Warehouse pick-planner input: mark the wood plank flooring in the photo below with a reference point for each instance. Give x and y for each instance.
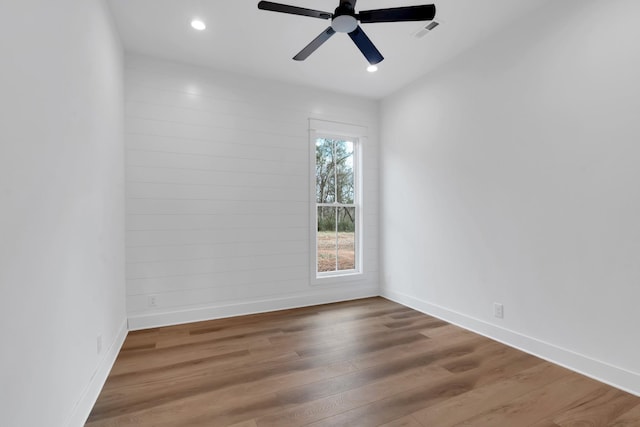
(367, 362)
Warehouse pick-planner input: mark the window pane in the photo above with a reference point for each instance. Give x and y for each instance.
(325, 171)
(327, 245)
(344, 171)
(346, 238)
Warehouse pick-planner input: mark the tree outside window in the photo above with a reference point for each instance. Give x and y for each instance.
(336, 205)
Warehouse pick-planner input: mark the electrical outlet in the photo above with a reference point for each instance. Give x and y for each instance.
(99, 343)
(152, 301)
(498, 310)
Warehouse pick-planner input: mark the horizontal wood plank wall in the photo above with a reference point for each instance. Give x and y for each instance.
(218, 193)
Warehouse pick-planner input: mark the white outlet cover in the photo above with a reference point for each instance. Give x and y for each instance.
(498, 310)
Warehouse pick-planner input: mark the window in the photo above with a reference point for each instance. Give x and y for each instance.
(337, 210)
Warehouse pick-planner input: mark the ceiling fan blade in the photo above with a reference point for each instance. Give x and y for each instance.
(398, 14)
(365, 45)
(293, 10)
(315, 43)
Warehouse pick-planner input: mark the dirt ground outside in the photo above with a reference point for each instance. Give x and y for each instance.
(346, 252)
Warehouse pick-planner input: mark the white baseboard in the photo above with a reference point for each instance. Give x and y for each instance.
(596, 369)
(153, 320)
(90, 394)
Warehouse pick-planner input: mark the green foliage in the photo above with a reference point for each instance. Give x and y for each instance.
(346, 227)
(345, 219)
(329, 224)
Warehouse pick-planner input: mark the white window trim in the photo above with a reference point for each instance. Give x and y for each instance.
(337, 130)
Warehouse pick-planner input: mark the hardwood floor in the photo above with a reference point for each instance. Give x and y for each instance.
(368, 362)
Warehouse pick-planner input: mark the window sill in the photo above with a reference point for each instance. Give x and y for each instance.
(337, 278)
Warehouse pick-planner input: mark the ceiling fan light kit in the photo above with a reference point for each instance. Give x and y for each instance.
(345, 20)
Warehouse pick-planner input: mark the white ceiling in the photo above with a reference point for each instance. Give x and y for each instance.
(240, 38)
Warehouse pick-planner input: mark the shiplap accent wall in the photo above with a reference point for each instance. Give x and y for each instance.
(218, 193)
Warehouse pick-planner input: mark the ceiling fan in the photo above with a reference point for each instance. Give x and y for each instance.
(345, 20)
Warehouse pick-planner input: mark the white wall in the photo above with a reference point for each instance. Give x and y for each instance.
(511, 175)
(218, 193)
(61, 208)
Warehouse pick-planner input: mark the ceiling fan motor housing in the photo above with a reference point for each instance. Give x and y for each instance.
(344, 19)
(344, 23)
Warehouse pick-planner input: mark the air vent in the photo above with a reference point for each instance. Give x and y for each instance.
(426, 29)
(432, 25)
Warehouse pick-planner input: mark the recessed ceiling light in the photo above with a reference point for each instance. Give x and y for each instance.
(198, 25)
(372, 68)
